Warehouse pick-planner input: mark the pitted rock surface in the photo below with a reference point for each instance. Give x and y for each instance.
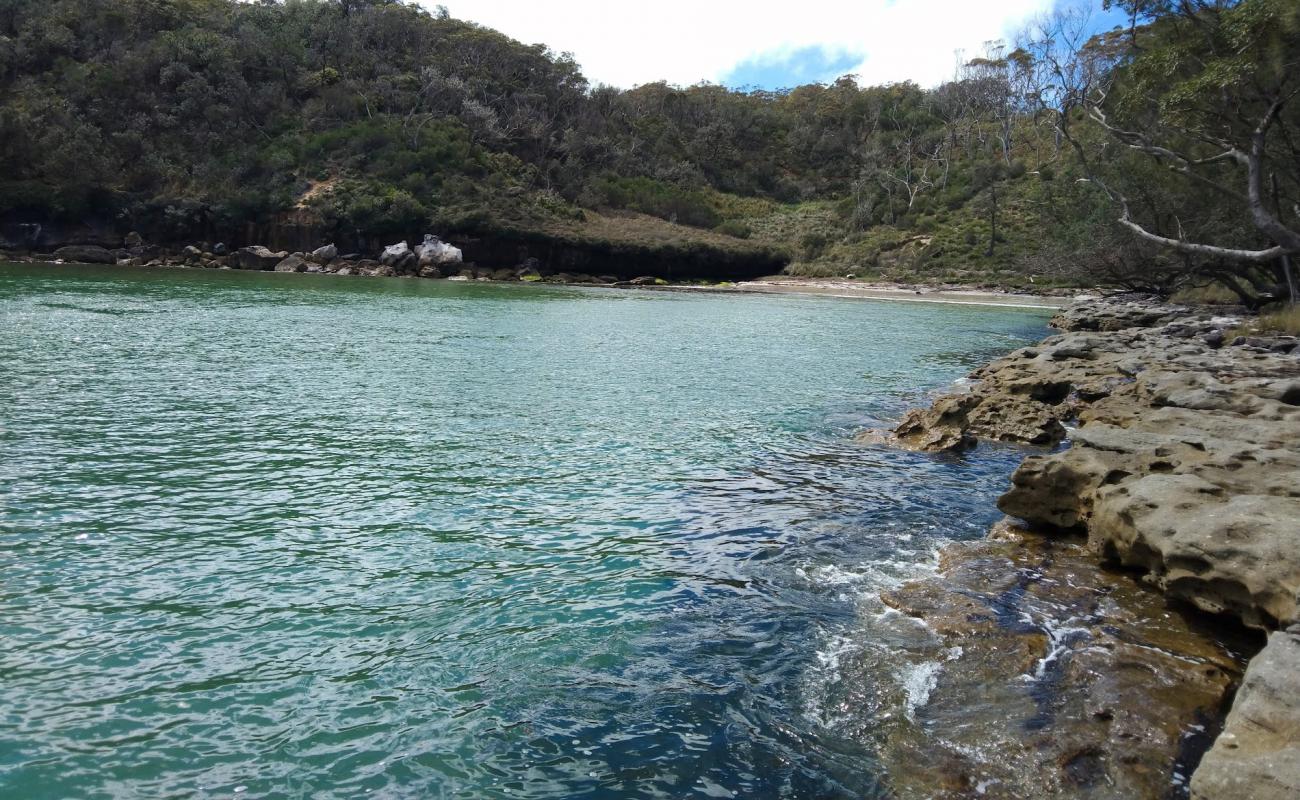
(1183, 467)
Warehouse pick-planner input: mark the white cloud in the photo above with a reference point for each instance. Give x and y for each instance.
(686, 41)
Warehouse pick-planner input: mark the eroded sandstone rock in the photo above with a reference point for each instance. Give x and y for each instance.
(1258, 753)
(1183, 467)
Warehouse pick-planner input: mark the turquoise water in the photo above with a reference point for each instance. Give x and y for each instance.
(297, 536)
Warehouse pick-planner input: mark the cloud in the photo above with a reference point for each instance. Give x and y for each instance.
(688, 41)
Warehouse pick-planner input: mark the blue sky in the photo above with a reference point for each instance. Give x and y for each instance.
(819, 64)
(762, 43)
(795, 67)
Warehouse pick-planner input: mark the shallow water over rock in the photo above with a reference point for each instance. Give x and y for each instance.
(1036, 673)
(287, 535)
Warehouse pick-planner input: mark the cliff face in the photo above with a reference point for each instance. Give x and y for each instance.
(1183, 468)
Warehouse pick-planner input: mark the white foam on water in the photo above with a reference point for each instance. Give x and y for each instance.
(918, 681)
(1059, 642)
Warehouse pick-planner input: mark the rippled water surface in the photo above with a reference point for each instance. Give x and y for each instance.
(297, 536)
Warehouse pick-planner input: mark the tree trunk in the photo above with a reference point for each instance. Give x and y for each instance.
(993, 217)
(1290, 278)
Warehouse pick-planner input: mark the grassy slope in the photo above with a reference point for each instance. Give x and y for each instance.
(950, 246)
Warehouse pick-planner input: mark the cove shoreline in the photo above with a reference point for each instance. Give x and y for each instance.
(947, 294)
(1136, 617)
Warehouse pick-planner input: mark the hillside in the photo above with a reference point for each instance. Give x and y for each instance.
(367, 121)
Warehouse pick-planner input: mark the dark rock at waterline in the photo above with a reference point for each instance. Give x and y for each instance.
(86, 254)
(399, 256)
(257, 257)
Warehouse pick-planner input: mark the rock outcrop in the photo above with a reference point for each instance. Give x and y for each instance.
(258, 258)
(86, 254)
(1183, 468)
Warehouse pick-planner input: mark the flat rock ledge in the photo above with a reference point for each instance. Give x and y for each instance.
(1183, 470)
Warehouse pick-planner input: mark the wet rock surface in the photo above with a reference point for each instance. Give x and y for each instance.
(1043, 675)
(1183, 469)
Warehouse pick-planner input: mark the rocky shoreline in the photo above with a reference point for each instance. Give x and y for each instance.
(436, 259)
(1152, 557)
(431, 259)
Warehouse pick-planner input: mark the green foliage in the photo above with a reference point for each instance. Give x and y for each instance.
(658, 199)
(377, 117)
(734, 227)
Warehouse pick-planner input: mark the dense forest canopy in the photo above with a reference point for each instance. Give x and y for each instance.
(1135, 156)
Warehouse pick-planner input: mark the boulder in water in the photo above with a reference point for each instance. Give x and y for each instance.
(435, 252)
(398, 256)
(294, 263)
(530, 271)
(324, 255)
